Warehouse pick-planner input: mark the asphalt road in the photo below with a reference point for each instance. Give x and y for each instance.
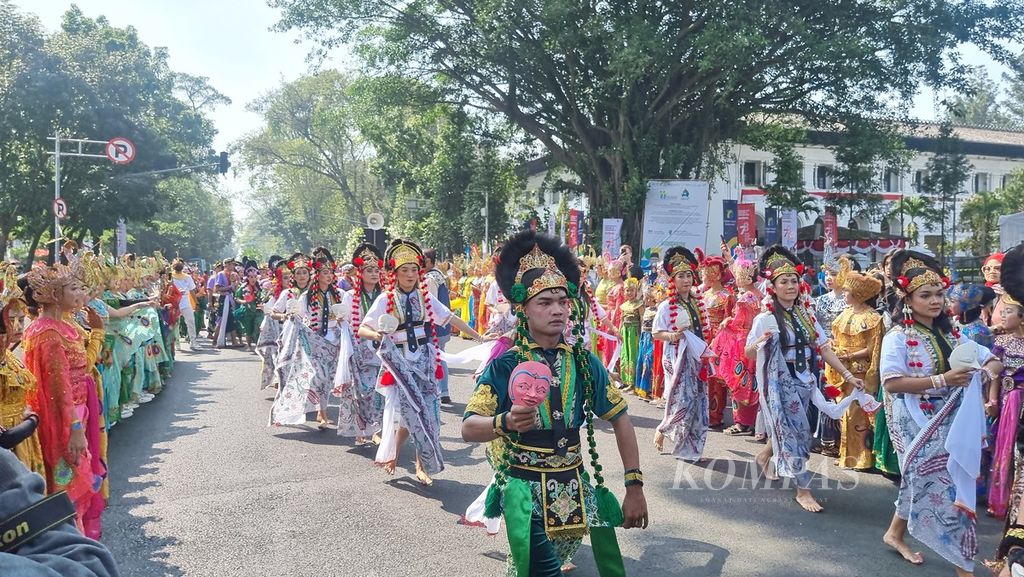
(201, 486)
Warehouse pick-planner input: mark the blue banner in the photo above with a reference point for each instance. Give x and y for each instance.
(771, 226)
(729, 211)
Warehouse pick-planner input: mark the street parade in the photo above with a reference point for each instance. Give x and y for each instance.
(479, 293)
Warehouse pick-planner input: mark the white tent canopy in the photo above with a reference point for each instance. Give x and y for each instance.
(1011, 230)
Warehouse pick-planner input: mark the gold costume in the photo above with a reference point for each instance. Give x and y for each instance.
(853, 332)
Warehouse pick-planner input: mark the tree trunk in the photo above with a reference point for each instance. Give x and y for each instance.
(32, 247)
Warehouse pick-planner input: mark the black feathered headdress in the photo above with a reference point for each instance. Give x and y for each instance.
(532, 262)
(680, 258)
(1012, 275)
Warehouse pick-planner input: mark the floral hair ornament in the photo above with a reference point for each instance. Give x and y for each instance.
(551, 278)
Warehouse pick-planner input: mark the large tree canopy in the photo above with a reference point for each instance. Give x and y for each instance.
(621, 92)
(96, 81)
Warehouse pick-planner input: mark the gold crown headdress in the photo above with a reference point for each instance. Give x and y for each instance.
(300, 261)
(402, 253)
(367, 257)
(552, 276)
(862, 286)
(632, 283)
(1007, 299)
(929, 276)
(47, 282)
(779, 264)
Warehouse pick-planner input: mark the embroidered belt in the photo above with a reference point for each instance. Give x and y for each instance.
(561, 492)
(400, 337)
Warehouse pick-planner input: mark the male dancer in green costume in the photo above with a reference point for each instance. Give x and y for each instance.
(541, 485)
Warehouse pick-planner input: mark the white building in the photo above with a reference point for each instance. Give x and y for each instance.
(994, 155)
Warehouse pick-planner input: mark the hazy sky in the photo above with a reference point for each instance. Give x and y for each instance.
(229, 41)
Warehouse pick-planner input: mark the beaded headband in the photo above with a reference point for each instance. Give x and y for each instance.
(551, 278)
(48, 282)
(404, 253)
(927, 277)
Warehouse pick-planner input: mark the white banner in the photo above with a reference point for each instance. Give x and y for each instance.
(789, 227)
(122, 237)
(611, 236)
(551, 224)
(676, 213)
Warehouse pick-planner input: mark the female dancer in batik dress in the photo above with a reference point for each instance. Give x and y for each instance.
(270, 329)
(937, 420)
(717, 303)
(401, 319)
(66, 398)
(308, 359)
(362, 409)
(789, 344)
(17, 384)
(1006, 394)
(680, 324)
(827, 308)
(728, 345)
(617, 270)
(857, 341)
(629, 315)
(644, 387)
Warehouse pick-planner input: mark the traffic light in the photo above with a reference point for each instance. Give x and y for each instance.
(222, 166)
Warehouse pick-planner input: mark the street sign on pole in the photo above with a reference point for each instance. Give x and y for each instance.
(120, 150)
(60, 208)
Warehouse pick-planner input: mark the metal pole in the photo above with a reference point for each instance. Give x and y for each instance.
(56, 193)
(487, 223)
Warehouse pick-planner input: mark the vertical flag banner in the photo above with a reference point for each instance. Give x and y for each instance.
(572, 235)
(746, 224)
(611, 235)
(729, 224)
(771, 226)
(551, 224)
(122, 237)
(581, 228)
(789, 228)
(675, 213)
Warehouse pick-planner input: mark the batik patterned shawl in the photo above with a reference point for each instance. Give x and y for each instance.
(305, 369)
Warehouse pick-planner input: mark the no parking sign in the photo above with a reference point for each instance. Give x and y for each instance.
(120, 150)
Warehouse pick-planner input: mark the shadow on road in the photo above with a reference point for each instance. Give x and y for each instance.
(134, 456)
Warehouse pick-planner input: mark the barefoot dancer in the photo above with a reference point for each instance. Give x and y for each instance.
(680, 324)
(933, 405)
(789, 343)
(402, 319)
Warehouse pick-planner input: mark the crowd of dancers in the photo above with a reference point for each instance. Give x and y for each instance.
(100, 341)
(891, 369)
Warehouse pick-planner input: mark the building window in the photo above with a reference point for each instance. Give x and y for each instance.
(1004, 180)
(982, 182)
(823, 177)
(753, 173)
(919, 179)
(891, 180)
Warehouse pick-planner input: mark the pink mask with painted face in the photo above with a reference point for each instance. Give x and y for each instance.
(529, 384)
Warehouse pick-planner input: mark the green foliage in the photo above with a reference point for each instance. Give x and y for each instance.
(92, 80)
(947, 171)
(864, 146)
(980, 216)
(912, 211)
(788, 191)
(622, 92)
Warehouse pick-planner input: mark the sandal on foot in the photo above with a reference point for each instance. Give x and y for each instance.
(738, 430)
